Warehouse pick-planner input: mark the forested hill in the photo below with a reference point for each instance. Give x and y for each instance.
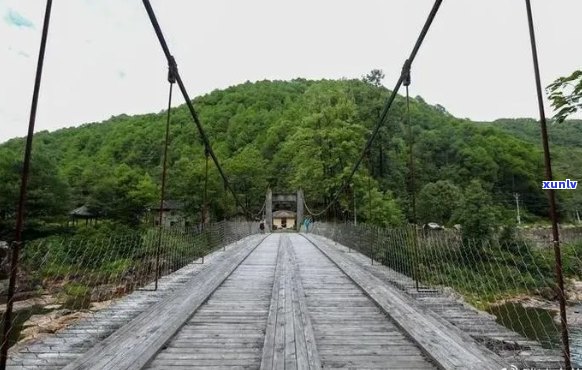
(565, 146)
(567, 134)
(286, 135)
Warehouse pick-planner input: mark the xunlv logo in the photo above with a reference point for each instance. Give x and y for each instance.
(568, 184)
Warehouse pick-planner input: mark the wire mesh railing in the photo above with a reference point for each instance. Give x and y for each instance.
(542, 236)
(510, 278)
(63, 279)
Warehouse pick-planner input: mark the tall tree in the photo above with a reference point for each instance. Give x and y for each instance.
(123, 194)
(47, 193)
(248, 175)
(375, 77)
(438, 202)
(479, 218)
(566, 95)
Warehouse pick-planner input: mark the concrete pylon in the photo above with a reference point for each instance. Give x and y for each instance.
(269, 211)
(299, 209)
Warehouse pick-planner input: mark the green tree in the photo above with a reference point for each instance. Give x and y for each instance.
(375, 77)
(478, 217)
(322, 150)
(294, 134)
(377, 207)
(47, 192)
(566, 95)
(438, 202)
(123, 194)
(247, 171)
(186, 182)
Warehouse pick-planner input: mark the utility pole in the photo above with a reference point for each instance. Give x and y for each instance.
(516, 195)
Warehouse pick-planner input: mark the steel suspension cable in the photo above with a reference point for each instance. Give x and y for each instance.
(203, 136)
(309, 210)
(387, 105)
(171, 80)
(369, 199)
(550, 192)
(260, 213)
(205, 200)
(411, 154)
(21, 210)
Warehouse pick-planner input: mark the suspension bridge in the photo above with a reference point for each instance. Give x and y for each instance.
(285, 300)
(302, 300)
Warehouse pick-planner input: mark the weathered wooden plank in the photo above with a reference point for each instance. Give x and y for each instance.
(278, 359)
(307, 353)
(136, 343)
(169, 364)
(445, 305)
(289, 343)
(350, 333)
(219, 334)
(216, 345)
(190, 367)
(444, 343)
(269, 345)
(290, 333)
(75, 339)
(194, 356)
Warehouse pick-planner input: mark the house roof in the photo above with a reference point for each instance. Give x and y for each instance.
(283, 214)
(82, 212)
(169, 205)
(433, 226)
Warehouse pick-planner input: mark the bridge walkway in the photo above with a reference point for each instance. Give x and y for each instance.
(229, 329)
(350, 329)
(345, 329)
(277, 301)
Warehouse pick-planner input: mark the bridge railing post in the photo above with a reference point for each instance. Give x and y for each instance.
(371, 233)
(415, 253)
(223, 236)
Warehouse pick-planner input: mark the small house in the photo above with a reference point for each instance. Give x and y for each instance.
(284, 219)
(83, 213)
(172, 214)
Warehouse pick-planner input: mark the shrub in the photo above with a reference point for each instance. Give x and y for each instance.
(76, 296)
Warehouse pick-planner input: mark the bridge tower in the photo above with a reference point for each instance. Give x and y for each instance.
(284, 203)
(269, 211)
(299, 209)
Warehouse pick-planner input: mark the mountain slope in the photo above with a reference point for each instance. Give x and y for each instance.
(286, 135)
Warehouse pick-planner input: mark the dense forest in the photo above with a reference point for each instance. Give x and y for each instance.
(566, 149)
(298, 134)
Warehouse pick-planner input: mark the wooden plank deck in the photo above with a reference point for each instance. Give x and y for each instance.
(58, 350)
(136, 343)
(289, 340)
(511, 346)
(229, 329)
(294, 310)
(448, 346)
(350, 330)
(283, 302)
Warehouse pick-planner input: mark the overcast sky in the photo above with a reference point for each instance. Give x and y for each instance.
(103, 58)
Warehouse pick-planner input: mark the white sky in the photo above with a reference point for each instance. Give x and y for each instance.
(103, 58)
